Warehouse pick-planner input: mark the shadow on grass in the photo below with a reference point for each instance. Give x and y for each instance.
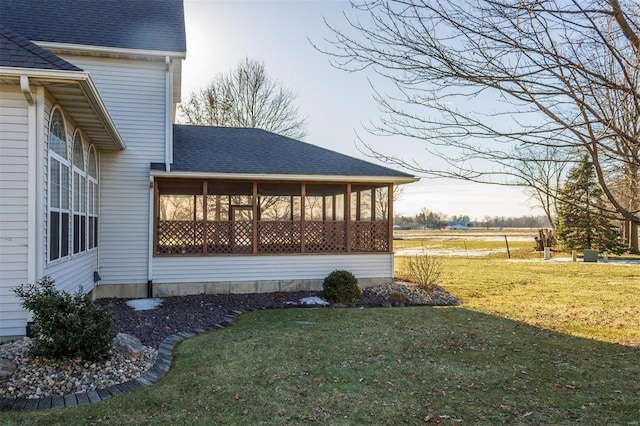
(378, 366)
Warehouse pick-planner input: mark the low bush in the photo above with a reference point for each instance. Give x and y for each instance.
(65, 325)
(423, 270)
(341, 287)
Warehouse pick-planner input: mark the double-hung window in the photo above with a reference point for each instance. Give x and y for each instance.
(79, 196)
(92, 198)
(59, 190)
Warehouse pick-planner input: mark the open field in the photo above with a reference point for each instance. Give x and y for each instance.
(471, 243)
(476, 242)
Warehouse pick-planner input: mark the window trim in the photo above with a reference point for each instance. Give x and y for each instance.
(92, 213)
(79, 197)
(73, 222)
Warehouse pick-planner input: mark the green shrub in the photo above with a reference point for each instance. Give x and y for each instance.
(341, 286)
(65, 325)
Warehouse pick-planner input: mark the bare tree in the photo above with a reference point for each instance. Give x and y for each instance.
(491, 86)
(245, 97)
(543, 176)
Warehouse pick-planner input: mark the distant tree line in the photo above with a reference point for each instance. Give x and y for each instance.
(428, 219)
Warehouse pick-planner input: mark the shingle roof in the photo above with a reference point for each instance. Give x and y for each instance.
(131, 24)
(209, 149)
(17, 51)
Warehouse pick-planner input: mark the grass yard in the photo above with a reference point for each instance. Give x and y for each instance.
(378, 366)
(593, 300)
(534, 343)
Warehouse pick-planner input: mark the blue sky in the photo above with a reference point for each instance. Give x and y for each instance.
(337, 103)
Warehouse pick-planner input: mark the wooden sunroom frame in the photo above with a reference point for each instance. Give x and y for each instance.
(351, 227)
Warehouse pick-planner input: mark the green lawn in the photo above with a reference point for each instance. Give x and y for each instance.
(534, 343)
(378, 366)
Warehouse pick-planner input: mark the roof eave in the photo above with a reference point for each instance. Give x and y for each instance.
(84, 83)
(396, 180)
(115, 52)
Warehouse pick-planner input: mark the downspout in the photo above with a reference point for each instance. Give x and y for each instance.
(168, 99)
(151, 237)
(40, 211)
(168, 159)
(32, 223)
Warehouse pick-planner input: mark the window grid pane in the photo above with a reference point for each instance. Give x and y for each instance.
(57, 137)
(54, 176)
(64, 187)
(78, 153)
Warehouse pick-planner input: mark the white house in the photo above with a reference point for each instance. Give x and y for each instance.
(100, 190)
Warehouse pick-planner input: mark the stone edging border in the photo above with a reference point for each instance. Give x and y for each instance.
(159, 369)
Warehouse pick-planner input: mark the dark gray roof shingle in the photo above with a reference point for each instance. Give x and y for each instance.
(17, 51)
(131, 24)
(209, 149)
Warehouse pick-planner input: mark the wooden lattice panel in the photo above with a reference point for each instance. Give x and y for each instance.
(369, 236)
(279, 237)
(180, 237)
(242, 237)
(325, 237)
(229, 237)
(219, 237)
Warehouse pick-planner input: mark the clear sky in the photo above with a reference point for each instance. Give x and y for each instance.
(338, 104)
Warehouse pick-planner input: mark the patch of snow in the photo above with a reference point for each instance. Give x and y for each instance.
(449, 252)
(313, 301)
(144, 304)
(569, 259)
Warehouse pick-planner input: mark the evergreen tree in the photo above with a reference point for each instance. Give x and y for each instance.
(580, 222)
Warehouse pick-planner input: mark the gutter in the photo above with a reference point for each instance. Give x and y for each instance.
(397, 180)
(121, 52)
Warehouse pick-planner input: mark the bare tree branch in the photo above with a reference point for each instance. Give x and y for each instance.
(246, 97)
(505, 92)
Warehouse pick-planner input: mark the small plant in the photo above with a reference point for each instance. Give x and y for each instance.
(65, 325)
(424, 270)
(341, 287)
(398, 298)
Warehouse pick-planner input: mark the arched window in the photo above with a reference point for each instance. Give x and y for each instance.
(92, 199)
(79, 196)
(59, 189)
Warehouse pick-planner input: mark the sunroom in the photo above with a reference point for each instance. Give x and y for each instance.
(215, 217)
(245, 210)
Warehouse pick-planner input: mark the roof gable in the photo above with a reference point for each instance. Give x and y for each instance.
(17, 51)
(131, 24)
(208, 149)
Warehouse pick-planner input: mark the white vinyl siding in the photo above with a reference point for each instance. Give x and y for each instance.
(134, 93)
(267, 268)
(14, 128)
(76, 274)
